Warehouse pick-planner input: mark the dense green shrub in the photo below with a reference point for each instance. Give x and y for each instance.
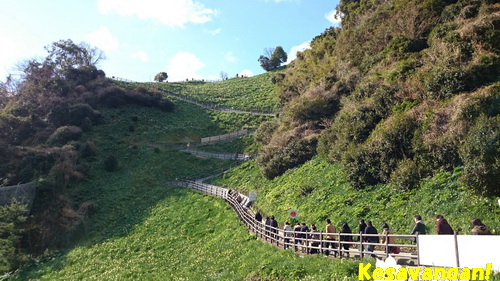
(86, 124)
(359, 165)
(443, 84)
(350, 127)
(112, 96)
(12, 218)
(78, 112)
(376, 160)
(406, 175)
(275, 161)
(265, 131)
(64, 135)
(88, 149)
(480, 153)
(110, 163)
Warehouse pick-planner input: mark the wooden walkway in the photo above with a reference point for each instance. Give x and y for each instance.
(309, 242)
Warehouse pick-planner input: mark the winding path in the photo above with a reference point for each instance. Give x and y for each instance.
(305, 242)
(199, 103)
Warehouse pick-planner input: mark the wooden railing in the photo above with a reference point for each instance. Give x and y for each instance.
(310, 242)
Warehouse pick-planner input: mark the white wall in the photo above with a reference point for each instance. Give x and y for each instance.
(474, 251)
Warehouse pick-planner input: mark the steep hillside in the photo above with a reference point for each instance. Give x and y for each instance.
(320, 190)
(251, 93)
(404, 90)
(138, 227)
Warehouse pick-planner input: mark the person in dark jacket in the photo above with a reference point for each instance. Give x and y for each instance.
(362, 226)
(304, 235)
(479, 228)
(442, 226)
(361, 230)
(419, 227)
(274, 229)
(268, 226)
(346, 238)
(258, 217)
(370, 229)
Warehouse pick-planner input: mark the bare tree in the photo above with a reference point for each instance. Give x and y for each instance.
(223, 75)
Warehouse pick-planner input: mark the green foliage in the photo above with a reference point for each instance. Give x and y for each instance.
(480, 153)
(65, 134)
(405, 176)
(265, 130)
(391, 59)
(255, 92)
(275, 162)
(161, 77)
(443, 84)
(110, 163)
(275, 57)
(329, 195)
(12, 218)
(314, 105)
(193, 236)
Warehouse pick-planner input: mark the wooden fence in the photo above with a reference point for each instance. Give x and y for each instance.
(311, 242)
(226, 137)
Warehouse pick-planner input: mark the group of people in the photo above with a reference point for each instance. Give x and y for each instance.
(300, 233)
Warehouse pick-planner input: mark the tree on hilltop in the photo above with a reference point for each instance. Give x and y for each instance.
(273, 58)
(161, 77)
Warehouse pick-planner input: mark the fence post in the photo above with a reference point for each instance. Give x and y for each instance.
(418, 250)
(339, 249)
(321, 242)
(387, 244)
(361, 244)
(456, 248)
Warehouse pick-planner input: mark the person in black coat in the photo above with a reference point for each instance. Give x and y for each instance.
(362, 226)
(268, 226)
(274, 229)
(370, 229)
(258, 217)
(348, 238)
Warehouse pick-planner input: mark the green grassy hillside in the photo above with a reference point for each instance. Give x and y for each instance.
(255, 92)
(319, 190)
(184, 236)
(137, 227)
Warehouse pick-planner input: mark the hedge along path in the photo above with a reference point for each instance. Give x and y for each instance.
(202, 104)
(308, 242)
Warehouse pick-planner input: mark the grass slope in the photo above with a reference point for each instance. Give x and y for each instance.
(139, 228)
(187, 236)
(255, 92)
(319, 190)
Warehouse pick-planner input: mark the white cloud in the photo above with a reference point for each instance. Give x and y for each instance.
(246, 73)
(173, 13)
(184, 66)
(230, 57)
(103, 39)
(140, 55)
(214, 31)
(331, 17)
(300, 48)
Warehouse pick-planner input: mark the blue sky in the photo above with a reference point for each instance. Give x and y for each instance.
(186, 38)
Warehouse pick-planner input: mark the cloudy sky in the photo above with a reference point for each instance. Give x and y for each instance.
(186, 38)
